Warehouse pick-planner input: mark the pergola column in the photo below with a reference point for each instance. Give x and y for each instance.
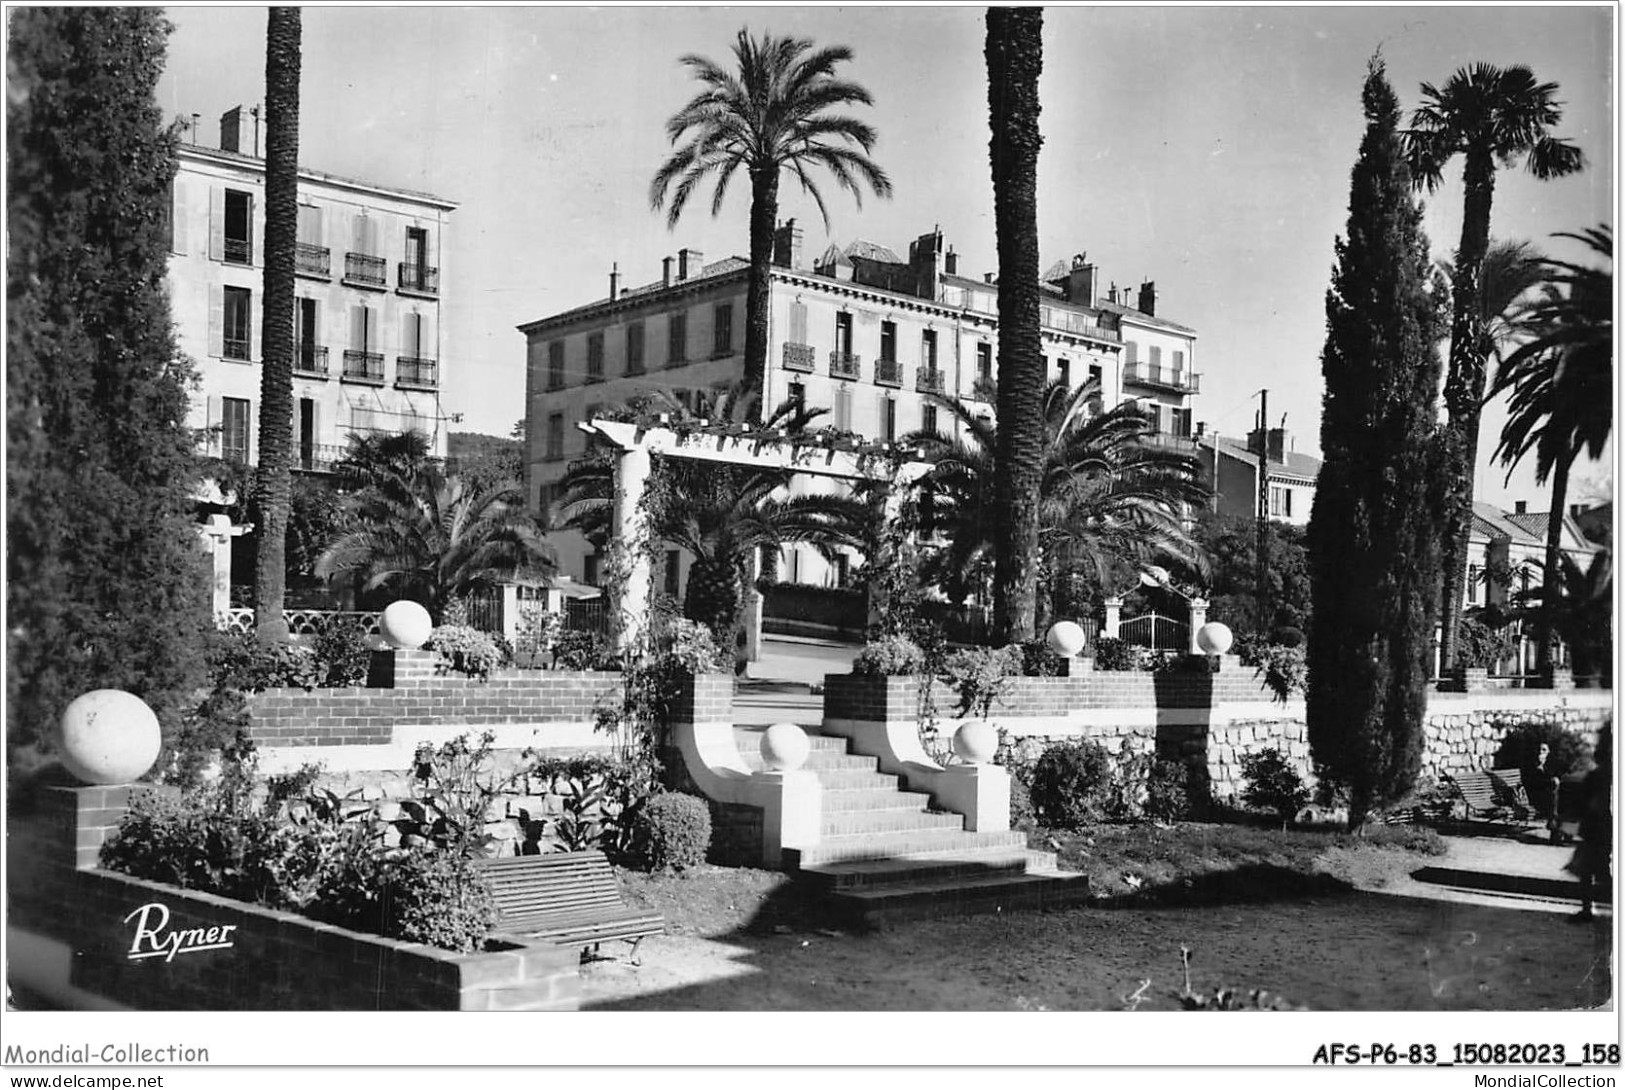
(631, 618)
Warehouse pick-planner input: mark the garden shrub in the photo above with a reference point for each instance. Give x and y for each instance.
(454, 786)
(465, 650)
(1481, 645)
(1070, 782)
(578, 650)
(438, 898)
(1412, 838)
(1022, 815)
(1283, 669)
(1039, 659)
(1520, 748)
(1112, 653)
(599, 799)
(242, 661)
(1287, 636)
(343, 653)
(1167, 798)
(889, 656)
(980, 676)
(1272, 784)
(674, 832)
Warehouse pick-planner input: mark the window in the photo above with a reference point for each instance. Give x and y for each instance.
(888, 419)
(843, 408)
(239, 227)
(843, 570)
(928, 349)
(309, 225)
(555, 365)
(1472, 584)
(1063, 371)
(798, 394)
(307, 355)
(1280, 502)
(677, 339)
(234, 429)
(888, 340)
(555, 437)
(595, 357)
(417, 248)
(843, 334)
(928, 419)
(236, 341)
(307, 433)
(674, 572)
(1131, 352)
(589, 569)
(984, 363)
(723, 330)
(416, 274)
(634, 348)
(1182, 423)
(1096, 375)
(1179, 361)
(1156, 357)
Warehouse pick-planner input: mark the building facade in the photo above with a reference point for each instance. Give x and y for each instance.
(368, 321)
(861, 332)
(1233, 467)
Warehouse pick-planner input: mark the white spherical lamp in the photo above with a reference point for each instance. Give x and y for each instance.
(108, 736)
(1214, 638)
(975, 743)
(405, 625)
(785, 747)
(1065, 638)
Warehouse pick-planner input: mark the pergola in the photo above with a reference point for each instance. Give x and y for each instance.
(636, 442)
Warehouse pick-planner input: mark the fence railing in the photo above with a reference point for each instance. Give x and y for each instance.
(301, 622)
(1156, 632)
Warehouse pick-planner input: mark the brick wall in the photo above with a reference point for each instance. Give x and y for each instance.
(276, 960)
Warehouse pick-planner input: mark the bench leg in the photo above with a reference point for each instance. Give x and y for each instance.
(633, 956)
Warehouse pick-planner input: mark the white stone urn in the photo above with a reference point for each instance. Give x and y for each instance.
(405, 625)
(108, 736)
(785, 747)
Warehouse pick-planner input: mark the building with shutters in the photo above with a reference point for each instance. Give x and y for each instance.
(368, 322)
(860, 331)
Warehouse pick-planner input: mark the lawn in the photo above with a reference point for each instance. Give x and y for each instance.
(1291, 912)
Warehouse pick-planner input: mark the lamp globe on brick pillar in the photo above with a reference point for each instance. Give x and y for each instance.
(1214, 638)
(108, 736)
(785, 747)
(976, 742)
(1065, 638)
(406, 625)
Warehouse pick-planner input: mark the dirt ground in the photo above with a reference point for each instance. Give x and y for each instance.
(1334, 944)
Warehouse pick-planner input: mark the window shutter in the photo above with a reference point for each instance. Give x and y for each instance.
(1131, 352)
(316, 322)
(428, 339)
(362, 235)
(253, 327)
(211, 426)
(177, 219)
(256, 228)
(409, 334)
(358, 328)
(1179, 361)
(217, 322)
(217, 223)
(373, 336)
(798, 323)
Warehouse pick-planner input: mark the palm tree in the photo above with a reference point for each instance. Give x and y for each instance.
(370, 455)
(1489, 116)
(432, 537)
(273, 484)
(1109, 500)
(723, 515)
(1511, 270)
(772, 114)
(1560, 379)
(1015, 56)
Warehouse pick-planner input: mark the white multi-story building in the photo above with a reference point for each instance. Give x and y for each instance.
(862, 333)
(368, 322)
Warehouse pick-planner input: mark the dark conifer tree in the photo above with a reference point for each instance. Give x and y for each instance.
(1374, 534)
(107, 586)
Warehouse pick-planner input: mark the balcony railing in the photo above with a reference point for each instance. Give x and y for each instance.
(312, 260)
(798, 357)
(928, 380)
(421, 278)
(416, 371)
(363, 367)
(235, 348)
(985, 389)
(240, 251)
(1181, 381)
(364, 269)
(1169, 441)
(310, 360)
(888, 373)
(845, 365)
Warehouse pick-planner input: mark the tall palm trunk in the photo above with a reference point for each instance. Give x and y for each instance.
(1014, 59)
(273, 485)
(1551, 579)
(1464, 394)
(764, 211)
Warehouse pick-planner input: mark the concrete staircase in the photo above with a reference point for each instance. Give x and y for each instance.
(883, 856)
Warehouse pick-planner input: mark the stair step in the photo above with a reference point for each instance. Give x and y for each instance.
(750, 741)
(852, 779)
(879, 907)
(869, 799)
(819, 760)
(873, 873)
(832, 849)
(865, 822)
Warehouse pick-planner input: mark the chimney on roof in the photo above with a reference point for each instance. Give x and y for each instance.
(987, 278)
(231, 128)
(665, 272)
(787, 240)
(1520, 507)
(1080, 281)
(1271, 443)
(925, 259)
(614, 281)
(688, 263)
(950, 262)
(1576, 510)
(1148, 298)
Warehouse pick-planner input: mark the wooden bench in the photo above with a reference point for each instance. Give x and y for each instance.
(569, 898)
(1495, 795)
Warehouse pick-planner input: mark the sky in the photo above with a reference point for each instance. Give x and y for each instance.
(1207, 148)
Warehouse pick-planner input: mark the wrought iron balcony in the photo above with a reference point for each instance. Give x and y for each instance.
(1183, 381)
(312, 260)
(420, 278)
(365, 367)
(928, 380)
(798, 357)
(310, 360)
(845, 365)
(416, 371)
(239, 251)
(888, 373)
(235, 348)
(364, 269)
(1169, 441)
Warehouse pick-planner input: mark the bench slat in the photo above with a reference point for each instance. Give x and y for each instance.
(565, 897)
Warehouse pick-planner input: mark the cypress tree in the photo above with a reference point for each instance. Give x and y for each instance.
(1374, 539)
(107, 585)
